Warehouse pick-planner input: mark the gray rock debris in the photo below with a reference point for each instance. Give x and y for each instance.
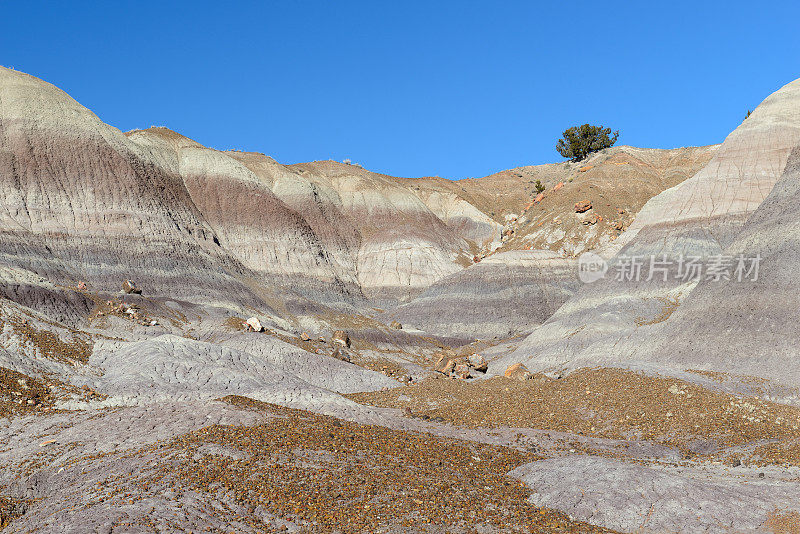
(633, 497)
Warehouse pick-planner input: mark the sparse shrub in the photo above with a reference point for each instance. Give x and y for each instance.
(539, 186)
(580, 141)
(749, 112)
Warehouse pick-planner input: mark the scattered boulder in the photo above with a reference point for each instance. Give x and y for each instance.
(479, 363)
(541, 378)
(81, 286)
(558, 186)
(445, 365)
(396, 325)
(129, 286)
(341, 354)
(458, 366)
(254, 324)
(461, 371)
(518, 372)
(340, 337)
(583, 206)
(304, 336)
(539, 197)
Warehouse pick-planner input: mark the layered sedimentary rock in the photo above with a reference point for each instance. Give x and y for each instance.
(453, 205)
(615, 182)
(660, 321)
(505, 294)
(530, 276)
(80, 201)
(216, 237)
(84, 202)
(745, 324)
(252, 224)
(404, 246)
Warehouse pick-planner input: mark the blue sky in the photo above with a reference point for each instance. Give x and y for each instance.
(454, 89)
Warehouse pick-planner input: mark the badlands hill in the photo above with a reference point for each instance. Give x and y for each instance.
(316, 347)
(240, 230)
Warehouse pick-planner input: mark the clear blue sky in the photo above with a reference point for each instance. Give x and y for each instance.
(409, 88)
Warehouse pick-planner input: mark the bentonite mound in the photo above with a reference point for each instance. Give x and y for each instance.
(620, 321)
(748, 326)
(178, 218)
(533, 272)
(504, 295)
(81, 202)
(194, 339)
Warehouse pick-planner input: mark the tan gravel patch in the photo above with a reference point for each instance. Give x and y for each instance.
(77, 348)
(608, 403)
(10, 509)
(336, 476)
(22, 394)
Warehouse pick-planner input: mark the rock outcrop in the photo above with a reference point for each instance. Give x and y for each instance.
(518, 371)
(619, 181)
(642, 321)
(505, 294)
(116, 404)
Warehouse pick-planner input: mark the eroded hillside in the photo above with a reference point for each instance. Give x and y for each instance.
(194, 339)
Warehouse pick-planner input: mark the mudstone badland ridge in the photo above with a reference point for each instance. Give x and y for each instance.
(194, 339)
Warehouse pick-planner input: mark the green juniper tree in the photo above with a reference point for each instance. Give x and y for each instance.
(580, 141)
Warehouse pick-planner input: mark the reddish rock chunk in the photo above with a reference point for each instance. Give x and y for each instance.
(462, 371)
(341, 337)
(518, 372)
(583, 206)
(128, 286)
(445, 365)
(479, 363)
